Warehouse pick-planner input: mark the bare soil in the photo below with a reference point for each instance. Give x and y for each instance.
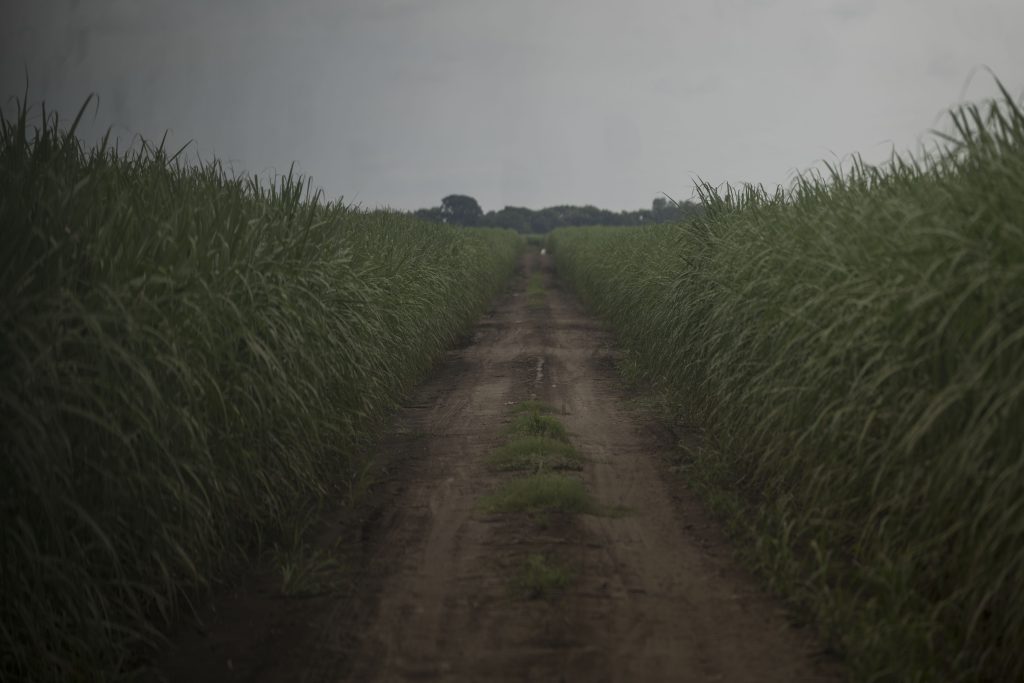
(427, 595)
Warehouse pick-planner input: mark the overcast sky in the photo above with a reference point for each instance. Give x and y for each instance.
(520, 102)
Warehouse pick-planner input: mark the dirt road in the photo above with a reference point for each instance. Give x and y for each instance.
(655, 595)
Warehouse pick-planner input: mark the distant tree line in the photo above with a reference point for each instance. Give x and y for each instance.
(460, 209)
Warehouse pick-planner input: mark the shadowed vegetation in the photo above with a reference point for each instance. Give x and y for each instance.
(187, 356)
(855, 348)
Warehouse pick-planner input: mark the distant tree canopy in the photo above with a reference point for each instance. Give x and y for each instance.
(460, 209)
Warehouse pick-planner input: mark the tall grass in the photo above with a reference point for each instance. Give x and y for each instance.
(855, 348)
(186, 357)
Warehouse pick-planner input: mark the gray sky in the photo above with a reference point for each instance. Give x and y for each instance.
(524, 102)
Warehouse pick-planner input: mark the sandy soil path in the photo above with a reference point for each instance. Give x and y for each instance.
(656, 596)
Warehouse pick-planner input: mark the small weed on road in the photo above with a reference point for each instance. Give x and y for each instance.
(541, 578)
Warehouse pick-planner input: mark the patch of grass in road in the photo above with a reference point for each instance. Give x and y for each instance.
(542, 493)
(535, 454)
(534, 424)
(532, 406)
(535, 291)
(541, 578)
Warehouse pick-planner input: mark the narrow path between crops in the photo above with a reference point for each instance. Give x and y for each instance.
(655, 595)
